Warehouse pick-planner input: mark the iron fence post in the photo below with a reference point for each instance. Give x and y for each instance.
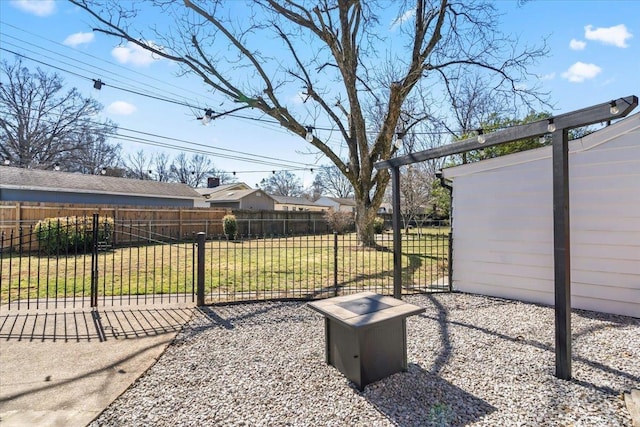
(335, 263)
(200, 240)
(397, 236)
(450, 262)
(94, 262)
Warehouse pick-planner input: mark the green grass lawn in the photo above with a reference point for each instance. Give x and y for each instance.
(288, 266)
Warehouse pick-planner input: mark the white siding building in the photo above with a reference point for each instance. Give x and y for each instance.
(503, 223)
(337, 204)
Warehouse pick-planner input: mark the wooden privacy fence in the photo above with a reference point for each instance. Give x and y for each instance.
(280, 222)
(177, 222)
(134, 223)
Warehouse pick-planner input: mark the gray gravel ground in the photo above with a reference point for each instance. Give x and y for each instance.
(473, 360)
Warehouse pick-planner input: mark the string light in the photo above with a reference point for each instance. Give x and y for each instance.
(551, 127)
(309, 136)
(206, 119)
(614, 108)
(398, 142)
(481, 138)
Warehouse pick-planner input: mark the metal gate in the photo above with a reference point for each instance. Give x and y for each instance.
(93, 261)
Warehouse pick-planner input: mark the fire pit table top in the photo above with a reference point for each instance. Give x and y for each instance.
(364, 309)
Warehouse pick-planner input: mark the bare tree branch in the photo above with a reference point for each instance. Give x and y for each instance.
(340, 51)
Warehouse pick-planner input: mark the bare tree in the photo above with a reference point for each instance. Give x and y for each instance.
(192, 171)
(472, 101)
(334, 182)
(162, 167)
(41, 126)
(138, 166)
(334, 50)
(282, 183)
(315, 190)
(415, 194)
(93, 155)
(225, 177)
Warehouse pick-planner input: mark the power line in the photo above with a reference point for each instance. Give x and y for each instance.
(205, 149)
(162, 98)
(95, 58)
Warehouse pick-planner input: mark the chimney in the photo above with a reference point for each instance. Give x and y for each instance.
(213, 182)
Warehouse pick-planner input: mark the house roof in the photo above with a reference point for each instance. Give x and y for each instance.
(595, 139)
(339, 200)
(43, 180)
(234, 195)
(288, 200)
(224, 187)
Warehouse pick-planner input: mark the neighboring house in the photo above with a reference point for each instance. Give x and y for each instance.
(287, 203)
(213, 187)
(251, 199)
(503, 223)
(337, 204)
(35, 185)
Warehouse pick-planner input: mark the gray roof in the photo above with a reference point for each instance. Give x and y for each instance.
(341, 201)
(224, 187)
(292, 200)
(43, 180)
(234, 195)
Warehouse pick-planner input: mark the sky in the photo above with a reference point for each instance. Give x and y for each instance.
(594, 57)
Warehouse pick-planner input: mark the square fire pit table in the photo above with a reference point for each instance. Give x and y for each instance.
(366, 335)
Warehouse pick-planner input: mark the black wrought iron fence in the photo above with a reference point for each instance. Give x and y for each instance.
(90, 261)
(134, 263)
(263, 267)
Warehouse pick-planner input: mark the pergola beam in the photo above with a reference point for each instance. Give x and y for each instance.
(587, 116)
(561, 228)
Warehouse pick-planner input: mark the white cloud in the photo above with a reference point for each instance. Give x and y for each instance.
(121, 108)
(616, 35)
(549, 76)
(580, 72)
(577, 44)
(77, 39)
(36, 7)
(131, 53)
(401, 19)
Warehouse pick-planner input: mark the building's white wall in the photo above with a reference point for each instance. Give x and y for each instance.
(503, 228)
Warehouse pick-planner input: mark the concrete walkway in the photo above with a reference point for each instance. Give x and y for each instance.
(64, 367)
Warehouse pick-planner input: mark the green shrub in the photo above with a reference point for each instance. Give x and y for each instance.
(71, 234)
(378, 225)
(230, 226)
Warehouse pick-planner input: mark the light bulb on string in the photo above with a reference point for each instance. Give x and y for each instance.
(613, 109)
(398, 142)
(481, 138)
(309, 136)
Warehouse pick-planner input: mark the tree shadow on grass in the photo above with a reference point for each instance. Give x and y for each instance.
(407, 274)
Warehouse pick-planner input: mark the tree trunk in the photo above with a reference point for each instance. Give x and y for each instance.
(365, 214)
